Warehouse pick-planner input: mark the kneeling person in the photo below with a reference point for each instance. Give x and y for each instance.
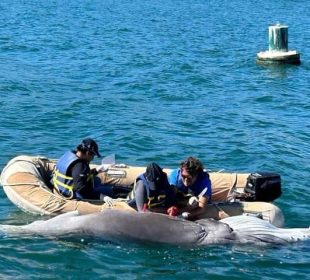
(192, 180)
(152, 191)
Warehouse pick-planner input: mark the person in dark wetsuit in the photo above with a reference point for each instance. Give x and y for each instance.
(73, 177)
(152, 191)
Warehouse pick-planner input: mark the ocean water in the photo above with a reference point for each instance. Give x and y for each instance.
(156, 81)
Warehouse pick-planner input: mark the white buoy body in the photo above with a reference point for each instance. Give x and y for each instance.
(278, 47)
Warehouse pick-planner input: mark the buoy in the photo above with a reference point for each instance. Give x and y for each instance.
(278, 47)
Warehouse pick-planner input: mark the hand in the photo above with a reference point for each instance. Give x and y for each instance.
(223, 215)
(193, 202)
(102, 167)
(108, 200)
(173, 211)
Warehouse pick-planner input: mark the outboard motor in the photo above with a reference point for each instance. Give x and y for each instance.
(263, 186)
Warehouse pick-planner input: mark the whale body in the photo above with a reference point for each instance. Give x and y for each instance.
(118, 225)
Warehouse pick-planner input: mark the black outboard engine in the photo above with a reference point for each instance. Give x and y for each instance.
(263, 186)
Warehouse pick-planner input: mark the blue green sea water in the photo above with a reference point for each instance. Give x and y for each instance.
(156, 81)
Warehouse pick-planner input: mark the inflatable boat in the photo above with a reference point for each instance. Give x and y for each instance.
(26, 181)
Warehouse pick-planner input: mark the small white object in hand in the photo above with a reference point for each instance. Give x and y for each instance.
(185, 215)
(103, 167)
(108, 200)
(193, 201)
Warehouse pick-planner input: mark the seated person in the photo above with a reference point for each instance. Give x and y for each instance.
(191, 180)
(152, 191)
(73, 177)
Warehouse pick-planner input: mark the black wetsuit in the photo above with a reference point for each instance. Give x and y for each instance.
(80, 174)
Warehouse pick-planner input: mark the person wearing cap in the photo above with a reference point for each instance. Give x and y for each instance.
(190, 179)
(73, 177)
(152, 191)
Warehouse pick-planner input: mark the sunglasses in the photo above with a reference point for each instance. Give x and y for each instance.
(188, 177)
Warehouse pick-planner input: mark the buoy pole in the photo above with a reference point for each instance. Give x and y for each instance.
(278, 38)
(278, 47)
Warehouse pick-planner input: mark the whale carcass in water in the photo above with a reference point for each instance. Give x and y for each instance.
(117, 225)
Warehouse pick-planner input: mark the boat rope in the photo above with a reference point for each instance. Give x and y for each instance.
(230, 195)
(22, 184)
(221, 170)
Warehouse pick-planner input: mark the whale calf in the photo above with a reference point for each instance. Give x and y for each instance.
(118, 225)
